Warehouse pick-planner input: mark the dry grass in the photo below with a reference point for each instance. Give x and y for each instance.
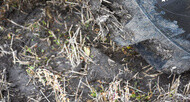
(4, 87)
(117, 93)
(48, 78)
(76, 51)
(172, 93)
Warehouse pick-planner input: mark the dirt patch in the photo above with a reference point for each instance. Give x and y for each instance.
(62, 51)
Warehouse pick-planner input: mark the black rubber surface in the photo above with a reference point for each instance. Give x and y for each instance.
(161, 32)
(171, 51)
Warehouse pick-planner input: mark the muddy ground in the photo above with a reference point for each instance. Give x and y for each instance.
(62, 51)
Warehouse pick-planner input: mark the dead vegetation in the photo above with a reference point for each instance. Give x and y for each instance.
(68, 31)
